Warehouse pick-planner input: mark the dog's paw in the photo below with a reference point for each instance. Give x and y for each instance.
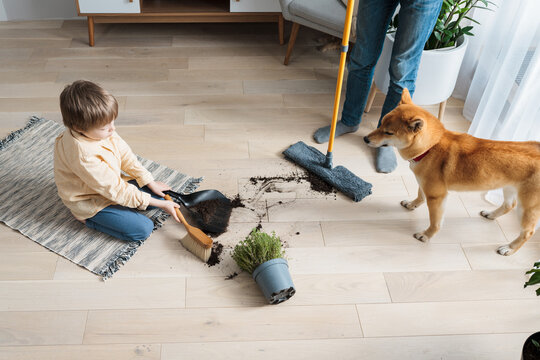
(487, 215)
(408, 205)
(422, 237)
(505, 250)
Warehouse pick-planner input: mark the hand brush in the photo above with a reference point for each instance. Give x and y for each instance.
(197, 242)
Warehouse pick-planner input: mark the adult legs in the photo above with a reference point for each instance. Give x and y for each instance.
(416, 21)
(372, 22)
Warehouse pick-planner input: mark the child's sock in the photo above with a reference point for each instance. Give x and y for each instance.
(385, 161)
(323, 134)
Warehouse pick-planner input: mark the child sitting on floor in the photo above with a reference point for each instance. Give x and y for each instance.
(89, 157)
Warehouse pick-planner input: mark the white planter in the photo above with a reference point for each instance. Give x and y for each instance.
(437, 73)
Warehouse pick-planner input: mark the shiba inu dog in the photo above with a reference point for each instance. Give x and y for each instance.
(444, 160)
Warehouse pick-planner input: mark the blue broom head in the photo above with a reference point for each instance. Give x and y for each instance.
(339, 177)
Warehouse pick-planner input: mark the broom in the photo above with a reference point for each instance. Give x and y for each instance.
(312, 159)
(197, 242)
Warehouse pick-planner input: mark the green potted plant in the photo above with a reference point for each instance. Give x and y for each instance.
(261, 255)
(535, 277)
(442, 56)
(531, 348)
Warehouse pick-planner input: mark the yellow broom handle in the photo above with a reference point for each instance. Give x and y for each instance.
(343, 58)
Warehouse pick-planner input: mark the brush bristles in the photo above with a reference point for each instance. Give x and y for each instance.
(196, 248)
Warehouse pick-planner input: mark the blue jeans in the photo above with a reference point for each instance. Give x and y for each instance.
(416, 21)
(122, 222)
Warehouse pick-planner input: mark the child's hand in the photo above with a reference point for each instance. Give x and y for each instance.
(158, 187)
(166, 205)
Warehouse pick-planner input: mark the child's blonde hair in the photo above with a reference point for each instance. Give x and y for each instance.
(85, 105)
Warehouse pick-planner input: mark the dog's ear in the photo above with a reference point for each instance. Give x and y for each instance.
(405, 97)
(416, 125)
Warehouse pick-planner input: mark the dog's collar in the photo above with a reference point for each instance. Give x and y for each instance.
(420, 157)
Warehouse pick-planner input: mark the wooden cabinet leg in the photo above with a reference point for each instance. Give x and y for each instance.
(91, 30)
(371, 97)
(292, 39)
(280, 29)
(442, 108)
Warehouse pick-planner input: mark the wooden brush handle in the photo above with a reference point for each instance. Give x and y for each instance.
(178, 213)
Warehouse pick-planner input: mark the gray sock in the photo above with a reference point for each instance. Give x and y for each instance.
(386, 160)
(322, 135)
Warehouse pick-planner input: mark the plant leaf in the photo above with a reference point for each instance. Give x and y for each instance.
(471, 19)
(533, 280)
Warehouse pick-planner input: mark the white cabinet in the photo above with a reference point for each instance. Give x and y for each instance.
(109, 6)
(255, 6)
(179, 11)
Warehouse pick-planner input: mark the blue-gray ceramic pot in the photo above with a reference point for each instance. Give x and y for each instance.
(274, 280)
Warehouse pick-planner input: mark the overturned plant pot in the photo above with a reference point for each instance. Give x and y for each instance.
(262, 255)
(274, 280)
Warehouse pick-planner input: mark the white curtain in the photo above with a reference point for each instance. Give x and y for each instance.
(500, 76)
(503, 100)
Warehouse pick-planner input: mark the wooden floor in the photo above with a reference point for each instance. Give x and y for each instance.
(214, 100)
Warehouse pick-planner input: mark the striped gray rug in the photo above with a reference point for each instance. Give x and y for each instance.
(30, 204)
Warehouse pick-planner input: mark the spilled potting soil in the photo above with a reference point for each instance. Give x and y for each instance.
(315, 183)
(215, 214)
(231, 276)
(207, 210)
(236, 202)
(215, 258)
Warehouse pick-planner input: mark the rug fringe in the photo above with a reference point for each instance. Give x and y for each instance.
(119, 260)
(193, 185)
(34, 120)
(159, 220)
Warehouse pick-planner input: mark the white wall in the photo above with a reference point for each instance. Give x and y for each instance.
(37, 9)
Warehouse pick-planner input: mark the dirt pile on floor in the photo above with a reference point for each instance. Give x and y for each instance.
(315, 183)
(215, 256)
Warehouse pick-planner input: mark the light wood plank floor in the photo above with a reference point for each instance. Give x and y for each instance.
(214, 100)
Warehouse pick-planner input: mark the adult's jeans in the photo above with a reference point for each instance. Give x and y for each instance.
(416, 21)
(122, 222)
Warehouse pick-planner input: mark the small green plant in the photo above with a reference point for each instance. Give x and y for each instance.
(257, 248)
(448, 26)
(535, 277)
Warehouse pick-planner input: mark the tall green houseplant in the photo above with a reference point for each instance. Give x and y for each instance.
(449, 23)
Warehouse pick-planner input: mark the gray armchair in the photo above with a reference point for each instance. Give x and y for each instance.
(327, 16)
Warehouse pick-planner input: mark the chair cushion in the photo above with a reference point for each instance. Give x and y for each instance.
(328, 13)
